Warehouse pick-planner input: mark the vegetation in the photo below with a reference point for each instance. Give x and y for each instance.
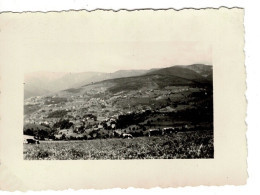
(63, 124)
(131, 119)
(196, 144)
(29, 109)
(73, 90)
(39, 131)
(57, 114)
(100, 113)
(90, 116)
(54, 100)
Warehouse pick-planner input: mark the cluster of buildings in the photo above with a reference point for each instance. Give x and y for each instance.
(98, 109)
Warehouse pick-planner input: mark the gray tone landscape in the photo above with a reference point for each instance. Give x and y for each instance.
(162, 113)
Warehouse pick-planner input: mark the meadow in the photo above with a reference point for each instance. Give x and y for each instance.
(183, 145)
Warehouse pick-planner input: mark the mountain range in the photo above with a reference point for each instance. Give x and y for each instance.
(44, 83)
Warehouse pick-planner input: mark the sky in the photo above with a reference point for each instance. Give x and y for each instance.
(113, 56)
(104, 41)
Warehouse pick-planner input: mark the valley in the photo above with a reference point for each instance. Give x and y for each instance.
(178, 96)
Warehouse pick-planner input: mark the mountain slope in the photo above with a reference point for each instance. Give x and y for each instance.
(155, 79)
(184, 72)
(42, 83)
(203, 70)
(31, 91)
(150, 81)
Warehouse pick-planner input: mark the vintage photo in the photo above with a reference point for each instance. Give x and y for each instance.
(162, 110)
(118, 99)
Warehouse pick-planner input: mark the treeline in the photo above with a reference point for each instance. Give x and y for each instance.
(124, 121)
(57, 114)
(135, 123)
(39, 131)
(63, 124)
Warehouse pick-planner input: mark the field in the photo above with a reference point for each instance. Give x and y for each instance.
(183, 145)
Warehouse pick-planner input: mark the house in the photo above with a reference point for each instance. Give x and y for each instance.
(58, 137)
(64, 131)
(28, 139)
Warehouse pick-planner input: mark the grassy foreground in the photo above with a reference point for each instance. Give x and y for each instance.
(181, 145)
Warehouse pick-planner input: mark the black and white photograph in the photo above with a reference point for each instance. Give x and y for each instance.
(139, 100)
(108, 99)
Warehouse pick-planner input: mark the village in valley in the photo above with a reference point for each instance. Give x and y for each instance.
(174, 106)
(97, 110)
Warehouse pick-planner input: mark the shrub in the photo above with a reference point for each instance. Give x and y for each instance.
(63, 124)
(57, 114)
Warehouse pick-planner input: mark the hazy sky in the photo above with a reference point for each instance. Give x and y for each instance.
(104, 41)
(109, 57)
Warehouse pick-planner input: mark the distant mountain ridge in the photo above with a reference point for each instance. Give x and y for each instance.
(184, 72)
(42, 84)
(158, 79)
(204, 70)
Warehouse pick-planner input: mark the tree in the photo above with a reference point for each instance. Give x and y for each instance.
(63, 124)
(81, 129)
(63, 137)
(149, 123)
(28, 132)
(41, 134)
